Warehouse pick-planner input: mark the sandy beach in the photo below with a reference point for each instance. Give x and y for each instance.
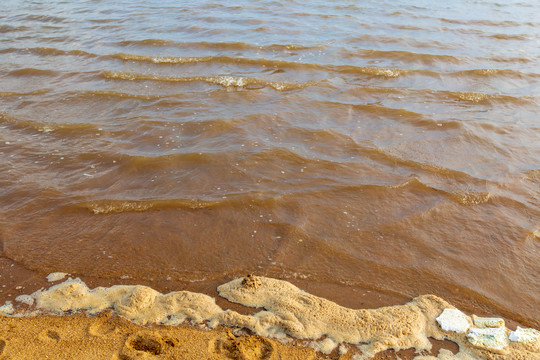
(107, 336)
(111, 337)
(278, 321)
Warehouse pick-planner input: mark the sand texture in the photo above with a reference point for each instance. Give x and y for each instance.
(111, 337)
(137, 322)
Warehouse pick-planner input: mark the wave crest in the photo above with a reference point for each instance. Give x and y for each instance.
(222, 80)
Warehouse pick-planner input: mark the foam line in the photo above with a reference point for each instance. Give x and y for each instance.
(291, 312)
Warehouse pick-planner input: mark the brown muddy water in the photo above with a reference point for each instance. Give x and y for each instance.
(368, 152)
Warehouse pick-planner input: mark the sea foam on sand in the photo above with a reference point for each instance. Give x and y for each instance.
(289, 311)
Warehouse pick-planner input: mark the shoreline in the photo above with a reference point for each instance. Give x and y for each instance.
(137, 320)
(16, 279)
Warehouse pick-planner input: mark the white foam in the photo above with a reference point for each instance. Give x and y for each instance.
(25, 299)
(55, 276)
(326, 346)
(487, 322)
(7, 308)
(137, 303)
(230, 81)
(493, 338)
(524, 335)
(454, 320)
(299, 314)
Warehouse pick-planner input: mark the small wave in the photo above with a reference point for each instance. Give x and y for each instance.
(203, 59)
(485, 22)
(405, 26)
(184, 45)
(471, 198)
(470, 96)
(45, 51)
(384, 155)
(164, 59)
(506, 60)
(506, 73)
(509, 36)
(373, 71)
(52, 51)
(467, 197)
(222, 80)
(463, 197)
(45, 18)
(33, 72)
(114, 206)
(205, 45)
(408, 56)
(106, 21)
(289, 47)
(121, 206)
(108, 93)
(7, 28)
(45, 127)
(476, 97)
(481, 72)
(36, 92)
(148, 161)
(377, 110)
(146, 42)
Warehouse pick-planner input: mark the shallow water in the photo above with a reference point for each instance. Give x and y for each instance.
(389, 148)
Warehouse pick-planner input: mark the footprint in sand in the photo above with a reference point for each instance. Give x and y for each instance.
(245, 347)
(140, 345)
(49, 336)
(102, 327)
(2, 346)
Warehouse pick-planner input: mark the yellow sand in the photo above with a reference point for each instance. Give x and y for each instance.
(114, 338)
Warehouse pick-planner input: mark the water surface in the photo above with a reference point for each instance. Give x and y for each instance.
(367, 151)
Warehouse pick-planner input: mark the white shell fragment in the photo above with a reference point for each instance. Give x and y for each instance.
(524, 335)
(454, 320)
(493, 338)
(487, 322)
